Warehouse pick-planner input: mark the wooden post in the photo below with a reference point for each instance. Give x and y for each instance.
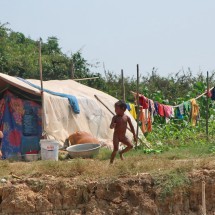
(123, 86)
(207, 108)
(138, 104)
(41, 83)
(203, 199)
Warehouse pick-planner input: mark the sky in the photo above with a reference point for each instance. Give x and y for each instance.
(170, 35)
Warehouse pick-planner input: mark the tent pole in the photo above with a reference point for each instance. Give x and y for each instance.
(207, 108)
(41, 83)
(123, 86)
(138, 104)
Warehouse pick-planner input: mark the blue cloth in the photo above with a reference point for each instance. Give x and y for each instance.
(72, 99)
(30, 143)
(11, 118)
(178, 113)
(156, 108)
(128, 106)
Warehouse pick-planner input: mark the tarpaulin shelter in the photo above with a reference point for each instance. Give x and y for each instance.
(60, 120)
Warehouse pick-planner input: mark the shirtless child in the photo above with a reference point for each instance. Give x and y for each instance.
(119, 123)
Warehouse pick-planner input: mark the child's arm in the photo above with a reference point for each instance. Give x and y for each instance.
(113, 123)
(132, 129)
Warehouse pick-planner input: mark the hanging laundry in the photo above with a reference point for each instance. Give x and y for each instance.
(128, 106)
(187, 106)
(146, 113)
(181, 109)
(167, 111)
(178, 114)
(161, 110)
(213, 94)
(149, 124)
(156, 104)
(173, 112)
(151, 106)
(143, 102)
(151, 110)
(133, 111)
(194, 112)
(143, 120)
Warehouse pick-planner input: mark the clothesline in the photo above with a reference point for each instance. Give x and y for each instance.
(196, 97)
(175, 106)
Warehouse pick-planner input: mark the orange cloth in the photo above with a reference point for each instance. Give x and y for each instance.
(149, 123)
(143, 120)
(194, 111)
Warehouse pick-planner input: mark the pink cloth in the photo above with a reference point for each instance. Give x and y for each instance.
(167, 111)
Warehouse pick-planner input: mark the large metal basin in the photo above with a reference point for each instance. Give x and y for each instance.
(87, 150)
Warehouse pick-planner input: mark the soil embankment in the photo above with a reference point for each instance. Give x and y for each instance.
(133, 195)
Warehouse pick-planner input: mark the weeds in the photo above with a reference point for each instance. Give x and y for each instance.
(169, 182)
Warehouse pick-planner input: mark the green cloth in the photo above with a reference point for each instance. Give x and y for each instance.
(187, 106)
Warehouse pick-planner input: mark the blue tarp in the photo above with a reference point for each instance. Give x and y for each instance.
(72, 99)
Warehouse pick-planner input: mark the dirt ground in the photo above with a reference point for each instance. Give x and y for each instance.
(169, 183)
(141, 193)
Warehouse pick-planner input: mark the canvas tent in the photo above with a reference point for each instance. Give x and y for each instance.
(60, 120)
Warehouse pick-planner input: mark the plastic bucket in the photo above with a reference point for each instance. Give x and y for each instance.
(49, 149)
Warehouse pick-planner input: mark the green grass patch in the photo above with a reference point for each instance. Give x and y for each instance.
(170, 181)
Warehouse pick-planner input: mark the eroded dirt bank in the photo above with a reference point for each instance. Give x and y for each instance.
(132, 195)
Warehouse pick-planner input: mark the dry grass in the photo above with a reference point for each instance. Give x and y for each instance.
(99, 168)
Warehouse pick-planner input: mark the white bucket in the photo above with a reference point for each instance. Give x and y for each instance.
(49, 149)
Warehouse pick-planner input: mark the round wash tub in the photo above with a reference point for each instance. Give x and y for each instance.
(87, 150)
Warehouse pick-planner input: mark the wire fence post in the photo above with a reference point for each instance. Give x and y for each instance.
(207, 108)
(41, 84)
(203, 199)
(138, 104)
(123, 86)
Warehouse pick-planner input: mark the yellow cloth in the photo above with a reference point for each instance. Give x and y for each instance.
(194, 111)
(133, 111)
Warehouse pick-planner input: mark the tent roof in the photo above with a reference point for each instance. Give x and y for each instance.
(61, 86)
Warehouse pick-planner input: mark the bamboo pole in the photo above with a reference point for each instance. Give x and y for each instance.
(207, 108)
(123, 86)
(203, 199)
(138, 104)
(41, 83)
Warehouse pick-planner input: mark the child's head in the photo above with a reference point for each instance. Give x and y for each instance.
(120, 107)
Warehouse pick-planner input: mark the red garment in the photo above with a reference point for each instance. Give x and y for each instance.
(161, 110)
(144, 102)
